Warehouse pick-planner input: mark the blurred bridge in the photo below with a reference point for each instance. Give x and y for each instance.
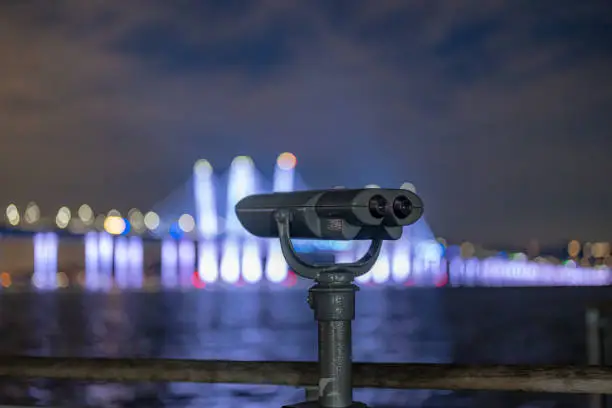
(185, 242)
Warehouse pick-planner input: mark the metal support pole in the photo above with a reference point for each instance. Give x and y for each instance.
(598, 347)
(332, 299)
(594, 350)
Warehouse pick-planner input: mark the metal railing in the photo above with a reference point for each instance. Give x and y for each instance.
(554, 379)
(594, 379)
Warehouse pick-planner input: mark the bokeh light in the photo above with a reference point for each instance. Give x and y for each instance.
(136, 219)
(408, 186)
(12, 215)
(32, 213)
(62, 280)
(573, 248)
(99, 222)
(151, 220)
(86, 214)
(5, 279)
(114, 225)
(62, 219)
(186, 223)
(203, 168)
(286, 161)
(242, 160)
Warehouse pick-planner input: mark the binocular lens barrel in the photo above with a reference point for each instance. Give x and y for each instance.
(377, 206)
(402, 207)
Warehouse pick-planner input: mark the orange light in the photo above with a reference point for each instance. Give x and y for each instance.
(114, 225)
(286, 161)
(5, 279)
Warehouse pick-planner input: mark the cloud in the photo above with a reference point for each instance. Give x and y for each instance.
(491, 108)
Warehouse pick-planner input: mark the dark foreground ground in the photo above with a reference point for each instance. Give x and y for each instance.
(468, 325)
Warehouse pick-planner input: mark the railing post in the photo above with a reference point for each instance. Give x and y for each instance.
(599, 350)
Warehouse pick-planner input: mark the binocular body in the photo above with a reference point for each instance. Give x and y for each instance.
(338, 214)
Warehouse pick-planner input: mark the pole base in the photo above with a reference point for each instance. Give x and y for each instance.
(315, 404)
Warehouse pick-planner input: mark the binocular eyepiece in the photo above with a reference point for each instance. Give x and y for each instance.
(338, 214)
(401, 207)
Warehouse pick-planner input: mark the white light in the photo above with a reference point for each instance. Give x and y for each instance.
(230, 261)
(202, 168)
(32, 213)
(409, 187)
(276, 267)
(12, 214)
(401, 269)
(114, 225)
(381, 269)
(63, 217)
(136, 219)
(372, 186)
(205, 199)
(151, 220)
(86, 214)
(208, 267)
(251, 261)
(186, 223)
(241, 184)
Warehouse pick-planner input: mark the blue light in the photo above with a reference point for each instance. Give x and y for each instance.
(175, 231)
(307, 246)
(442, 250)
(128, 227)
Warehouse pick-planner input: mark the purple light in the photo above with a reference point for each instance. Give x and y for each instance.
(121, 262)
(92, 269)
(497, 272)
(45, 260)
(39, 278)
(105, 260)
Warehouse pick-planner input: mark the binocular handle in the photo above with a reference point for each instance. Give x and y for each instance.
(316, 271)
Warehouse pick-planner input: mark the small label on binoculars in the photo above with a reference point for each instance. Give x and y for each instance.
(334, 225)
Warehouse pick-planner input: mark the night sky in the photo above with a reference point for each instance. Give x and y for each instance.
(500, 112)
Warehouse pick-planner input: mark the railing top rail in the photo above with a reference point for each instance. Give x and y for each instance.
(555, 379)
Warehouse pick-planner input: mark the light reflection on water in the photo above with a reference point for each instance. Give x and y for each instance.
(417, 325)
